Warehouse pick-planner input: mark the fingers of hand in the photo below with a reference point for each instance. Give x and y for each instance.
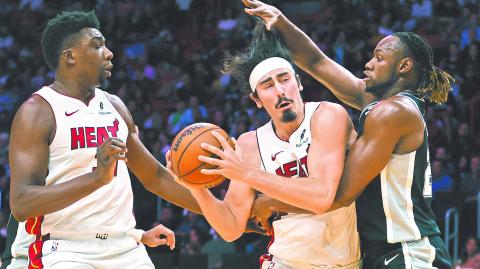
(266, 226)
(114, 141)
(117, 152)
(160, 242)
(209, 160)
(170, 236)
(211, 171)
(250, 3)
(223, 142)
(113, 147)
(171, 240)
(236, 147)
(187, 185)
(268, 25)
(220, 153)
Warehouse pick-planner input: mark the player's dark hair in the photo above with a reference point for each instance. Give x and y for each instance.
(432, 83)
(61, 32)
(265, 44)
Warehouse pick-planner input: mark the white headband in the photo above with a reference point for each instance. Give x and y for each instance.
(266, 66)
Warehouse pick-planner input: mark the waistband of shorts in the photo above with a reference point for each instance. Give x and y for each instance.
(85, 236)
(378, 248)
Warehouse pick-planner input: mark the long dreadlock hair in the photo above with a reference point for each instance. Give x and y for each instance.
(433, 83)
(265, 44)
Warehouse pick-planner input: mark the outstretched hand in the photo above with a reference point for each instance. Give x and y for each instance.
(269, 14)
(230, 162)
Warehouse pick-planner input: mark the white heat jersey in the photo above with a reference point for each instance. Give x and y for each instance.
(80, 128)
(329, 239)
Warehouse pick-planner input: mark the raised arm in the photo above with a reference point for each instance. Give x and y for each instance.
(153, 175)
(33, 128)
(348, 88)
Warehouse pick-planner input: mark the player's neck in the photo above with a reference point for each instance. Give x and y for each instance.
(284, 130)
(73, 89)
(402, 85)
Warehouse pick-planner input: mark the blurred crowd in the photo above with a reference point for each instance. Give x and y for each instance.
(167, 69)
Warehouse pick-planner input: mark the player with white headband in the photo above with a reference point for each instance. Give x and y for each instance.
(296, 158)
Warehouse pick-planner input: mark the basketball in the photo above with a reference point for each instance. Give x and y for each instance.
(186, 149)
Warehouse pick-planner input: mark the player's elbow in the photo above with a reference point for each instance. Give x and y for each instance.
(321, 205)
(230, 237)
(18, 211)
(323, 201)
(344, 201)
(21, 206)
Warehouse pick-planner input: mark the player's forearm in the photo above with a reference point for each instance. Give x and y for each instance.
(308, 195)
(279, 206)
(304, 51)
(219, 215)
(32, 201)
(165, 187)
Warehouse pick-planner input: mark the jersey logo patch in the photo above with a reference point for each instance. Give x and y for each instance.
(71, 113)
(54, 246)
(302, 140)
(391, 259)
(274, 156)
(101, 236)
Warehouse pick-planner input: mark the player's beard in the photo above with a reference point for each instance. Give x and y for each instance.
(381, 88)
(103, 82)
(289, 116)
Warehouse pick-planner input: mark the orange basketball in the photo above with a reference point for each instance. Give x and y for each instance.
(186, 149)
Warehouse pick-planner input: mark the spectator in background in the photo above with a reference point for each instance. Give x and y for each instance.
(195, 112)
(177, 119)
(461, 142)
(421, 9)
(470, 258)
(470, 182)
(441, 180)
(193, 244)
(215, 248)
(469, 188)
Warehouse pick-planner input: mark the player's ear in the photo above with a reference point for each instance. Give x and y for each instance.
(255, 98)
(300, 86)
(68, 56)
(406, 64)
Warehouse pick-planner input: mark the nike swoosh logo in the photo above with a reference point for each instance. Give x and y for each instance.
(274, 156)
(388, 261)
(70, 114)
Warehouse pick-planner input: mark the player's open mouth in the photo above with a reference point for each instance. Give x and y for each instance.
(283, 105)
